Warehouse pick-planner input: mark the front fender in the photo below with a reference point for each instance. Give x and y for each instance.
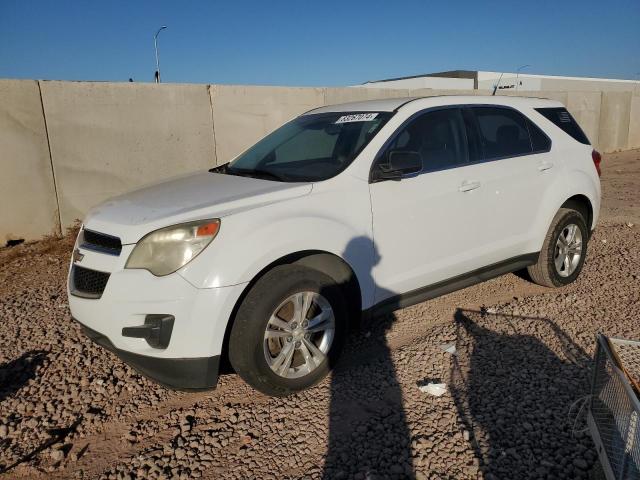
(250, 241)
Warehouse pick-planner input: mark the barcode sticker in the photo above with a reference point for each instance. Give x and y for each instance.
(357, 117)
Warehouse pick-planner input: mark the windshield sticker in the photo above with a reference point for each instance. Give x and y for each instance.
(357, 117)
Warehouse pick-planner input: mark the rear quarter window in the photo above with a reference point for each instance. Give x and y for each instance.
(539, 140)
(561, 118)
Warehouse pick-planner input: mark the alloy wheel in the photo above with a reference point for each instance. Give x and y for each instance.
(299, 334)
(568, 250)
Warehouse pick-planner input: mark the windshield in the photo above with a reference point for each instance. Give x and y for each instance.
(310, 148)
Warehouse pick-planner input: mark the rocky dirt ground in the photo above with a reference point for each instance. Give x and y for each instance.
(69, 409)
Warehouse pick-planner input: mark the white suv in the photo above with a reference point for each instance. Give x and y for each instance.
(346, 211)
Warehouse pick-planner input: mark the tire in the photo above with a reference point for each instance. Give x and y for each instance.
(270, 306)
(555, 251)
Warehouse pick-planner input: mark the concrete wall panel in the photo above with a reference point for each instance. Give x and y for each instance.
(614, 121)
(357, 94)
(567, 84)
(244, 114)
(634, 122)
(430, 92)
(585, 108)
(28, 206)
(557, 96)
(108, 138)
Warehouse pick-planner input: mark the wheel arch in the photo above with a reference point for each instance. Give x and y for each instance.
(322, 261)
(582, 204)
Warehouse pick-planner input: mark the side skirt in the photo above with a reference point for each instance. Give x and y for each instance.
(450, 285)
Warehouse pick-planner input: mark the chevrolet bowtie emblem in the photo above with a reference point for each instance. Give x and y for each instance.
(77, 256)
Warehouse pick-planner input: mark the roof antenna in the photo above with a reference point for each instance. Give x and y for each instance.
(495, 87)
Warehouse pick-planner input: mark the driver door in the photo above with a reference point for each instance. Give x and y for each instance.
(424, 224)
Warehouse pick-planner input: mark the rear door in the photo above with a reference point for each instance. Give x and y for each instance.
(516, 172)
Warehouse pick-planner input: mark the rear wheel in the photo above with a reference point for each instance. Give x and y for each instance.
(288, 331)
(563, 252)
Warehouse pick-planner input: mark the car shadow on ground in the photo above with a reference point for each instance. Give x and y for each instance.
(514, 392)
(16, 373)
(368, 433)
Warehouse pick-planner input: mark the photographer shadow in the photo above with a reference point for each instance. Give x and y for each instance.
(368, 433)
(514, 395)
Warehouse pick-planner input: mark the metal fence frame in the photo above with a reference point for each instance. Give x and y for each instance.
(614, 415)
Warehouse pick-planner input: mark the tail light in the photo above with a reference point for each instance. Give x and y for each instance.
(597, 158)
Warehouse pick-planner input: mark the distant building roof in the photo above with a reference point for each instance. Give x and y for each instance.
(450, 74)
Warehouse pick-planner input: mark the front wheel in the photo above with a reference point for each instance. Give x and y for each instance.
(563, 251)
(288, 331)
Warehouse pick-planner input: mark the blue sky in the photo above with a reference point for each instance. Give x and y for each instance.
(315, 42)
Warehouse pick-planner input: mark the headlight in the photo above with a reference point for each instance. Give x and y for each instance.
(166, 250)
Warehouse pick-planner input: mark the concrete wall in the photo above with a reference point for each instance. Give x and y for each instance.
(28, 206)
(66, 146)
(107, 138)
(634, 122)
(585, 108)
(244, 114)
(615, 110)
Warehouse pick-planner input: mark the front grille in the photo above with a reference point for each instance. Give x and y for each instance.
(88, 283)
(101, 242)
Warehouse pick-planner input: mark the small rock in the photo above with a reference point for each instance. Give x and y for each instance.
(580, 463)
(57, 455)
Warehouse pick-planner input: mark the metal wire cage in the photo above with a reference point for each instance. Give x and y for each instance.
(614, 409)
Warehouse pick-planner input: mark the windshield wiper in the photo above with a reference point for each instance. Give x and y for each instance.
(220, 168)
(245, 172)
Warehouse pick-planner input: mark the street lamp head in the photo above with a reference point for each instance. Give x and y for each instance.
(159, 30)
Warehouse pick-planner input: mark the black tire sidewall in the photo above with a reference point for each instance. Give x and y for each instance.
(570, 217)
(247, 335)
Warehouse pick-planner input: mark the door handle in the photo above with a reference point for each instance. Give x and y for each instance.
(468, 186)
(544, 166)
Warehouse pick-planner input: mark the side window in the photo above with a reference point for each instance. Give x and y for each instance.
(503, 132)
(539, 141)
(438, 136)
(563, 120)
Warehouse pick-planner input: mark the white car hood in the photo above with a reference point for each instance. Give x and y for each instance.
(192, 197)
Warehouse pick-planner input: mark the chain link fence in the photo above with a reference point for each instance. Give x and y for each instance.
(614, 407)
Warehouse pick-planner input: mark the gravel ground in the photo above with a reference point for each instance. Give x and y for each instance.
(70, 409)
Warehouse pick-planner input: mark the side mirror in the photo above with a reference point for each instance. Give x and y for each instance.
(400, 162)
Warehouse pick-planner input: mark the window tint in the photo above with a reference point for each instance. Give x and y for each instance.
(473, 136)
(310, 148)
(503, 132)
(308, 144)
(439, 138)
(563, 119)
(539, 141)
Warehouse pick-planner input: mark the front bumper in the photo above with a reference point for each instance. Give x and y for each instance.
(189, 359)
(175, 373)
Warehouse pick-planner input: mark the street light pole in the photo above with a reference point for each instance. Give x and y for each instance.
(518, 75)
(155, 46)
